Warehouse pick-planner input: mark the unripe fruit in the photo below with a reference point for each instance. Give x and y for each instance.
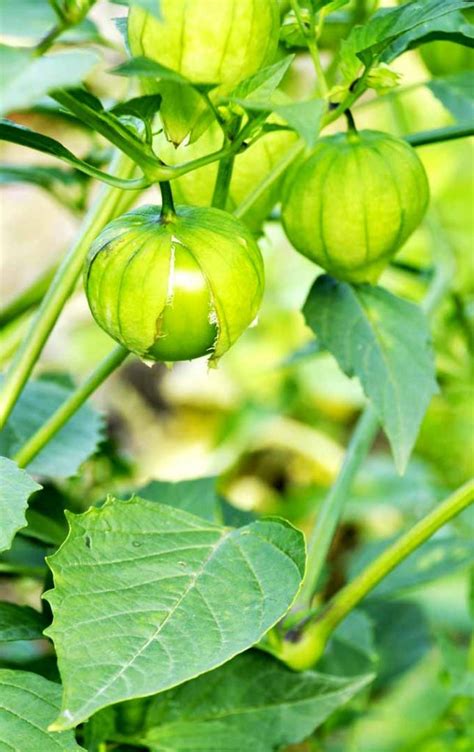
(207, 41)
(354, 201)
(250, 167)
(178, 288)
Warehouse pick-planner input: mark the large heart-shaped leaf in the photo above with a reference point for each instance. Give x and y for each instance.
(252, 703)
(16, 487)
(385, 341)
(28, 704)
(147, 596)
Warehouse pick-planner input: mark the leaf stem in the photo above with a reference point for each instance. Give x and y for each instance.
(310, 36)
(347, 598)
(104, 209)
(439, 135)
(35, 444)
(332, 506)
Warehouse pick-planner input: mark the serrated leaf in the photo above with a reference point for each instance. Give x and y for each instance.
(197, 496)
(456, 93)
(26, 78)
(28, 704)
(70, 447)
(252, 703)
(172, 596)
(365, 43)
(20, 623)
(16, 487)
(385, 342)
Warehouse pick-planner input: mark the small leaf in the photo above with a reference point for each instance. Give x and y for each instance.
(70, 447)
(16, 487)
(197, 496)
(143, 67)
(28, 704)
(262, 85)
(20, 623)
(26, 78)
(456, 93)
(252, 703)
(141, 107)
(385, 342)
(303, 117)
(171, 596)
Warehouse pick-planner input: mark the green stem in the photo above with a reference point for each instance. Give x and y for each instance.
(167, 204)
(35, 444)
(439, 135)
(49, 39)
(348, 598)
(28, 299)
(222, 186)
(62, 286)
(332, 506)
(310, 36)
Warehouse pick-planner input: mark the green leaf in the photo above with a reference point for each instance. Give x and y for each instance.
(16, 487)
(357, 631)
(452, 28)
(252, 703)
(26, 78)
(387, 346)
(262, 84)
(303, 117)
(143, 108)
(197, 496)
(431, 561)
(366, 43)
(70, 447)
(20, 623)
(143, 67)
(171, 597)
(456, 93)
(66, 186)
(28, 704)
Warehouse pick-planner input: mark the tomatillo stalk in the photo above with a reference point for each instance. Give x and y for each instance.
(104, 209)
(35, 444)
(347, 599)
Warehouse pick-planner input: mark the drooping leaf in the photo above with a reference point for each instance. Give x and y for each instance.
(68, 449)
(16, 487)
(252, 703)
(172, 596)
(26, 78)
(367, 43)
(28, 704)
(20, 623)
(456, 93)
(197, 496)
(387, 346)
(433, 560)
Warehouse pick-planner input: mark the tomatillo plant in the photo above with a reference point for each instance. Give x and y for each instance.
(193, 549)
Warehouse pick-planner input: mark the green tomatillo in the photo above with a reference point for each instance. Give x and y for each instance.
(352, 203)
(175, 288)
(219, 42)
(250, 167)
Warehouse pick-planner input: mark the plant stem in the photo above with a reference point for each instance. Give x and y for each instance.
(221, 188)
(167, 203)
(439, 135)
(332, 506)
(35, 444)
(347, 598)
(63, 284)
(310, 36)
